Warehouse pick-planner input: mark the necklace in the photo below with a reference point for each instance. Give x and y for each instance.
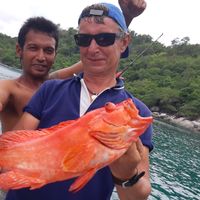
(92, 93)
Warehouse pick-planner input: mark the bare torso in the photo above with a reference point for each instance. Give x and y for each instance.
(14, 96)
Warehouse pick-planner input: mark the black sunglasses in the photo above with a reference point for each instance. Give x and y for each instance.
(102, 39)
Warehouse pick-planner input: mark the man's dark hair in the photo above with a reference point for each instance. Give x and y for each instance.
(38, 24)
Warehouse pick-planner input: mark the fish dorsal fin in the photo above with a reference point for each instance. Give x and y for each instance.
(11, 138)
(60, 125)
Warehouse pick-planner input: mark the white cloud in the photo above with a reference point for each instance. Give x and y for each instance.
(173, 18)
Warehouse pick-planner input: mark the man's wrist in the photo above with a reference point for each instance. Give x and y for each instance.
(128, 18)
(128, 182)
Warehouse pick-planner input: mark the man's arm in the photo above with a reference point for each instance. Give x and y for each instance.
(136, 159)
(1, 106)
(4, 93)
(27, 122)
(132, 9)
(67, 72)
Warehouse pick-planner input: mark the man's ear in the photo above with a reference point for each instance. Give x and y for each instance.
(125, 42)
(18, 50)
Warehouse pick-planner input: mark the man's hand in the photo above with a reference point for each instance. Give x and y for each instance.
(131, 9)
(126, 166)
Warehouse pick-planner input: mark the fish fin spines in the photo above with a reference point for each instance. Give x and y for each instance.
(81, 181)
(8, 139)
(63, 124)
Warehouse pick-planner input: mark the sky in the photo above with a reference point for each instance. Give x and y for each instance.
(173, 18)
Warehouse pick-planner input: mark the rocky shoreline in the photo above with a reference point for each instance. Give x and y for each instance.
(2, 195)
(181, 122)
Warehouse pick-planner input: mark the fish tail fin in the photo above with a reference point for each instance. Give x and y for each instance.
(81, 181)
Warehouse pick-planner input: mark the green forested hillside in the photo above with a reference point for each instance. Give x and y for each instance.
(167, 79)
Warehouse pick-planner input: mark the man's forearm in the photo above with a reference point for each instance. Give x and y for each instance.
(139, 191)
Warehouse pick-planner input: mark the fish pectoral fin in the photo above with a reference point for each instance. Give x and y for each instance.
(16, 180)
(113, 140)
(78, 158)
(81, 181)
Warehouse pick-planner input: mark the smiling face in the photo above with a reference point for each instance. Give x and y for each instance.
(38, 54)
(101, 59)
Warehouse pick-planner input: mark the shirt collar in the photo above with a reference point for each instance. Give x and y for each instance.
(119, 85)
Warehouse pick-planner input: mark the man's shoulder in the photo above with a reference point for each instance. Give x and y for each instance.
(8, 84)
(56, 86)
(8, 81)
(57, 82)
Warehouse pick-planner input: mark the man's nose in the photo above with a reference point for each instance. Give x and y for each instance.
(41, 55)
(93, 45)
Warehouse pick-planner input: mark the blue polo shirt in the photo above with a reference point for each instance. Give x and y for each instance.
(57, 101)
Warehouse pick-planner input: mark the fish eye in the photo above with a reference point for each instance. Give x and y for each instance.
(109, 106)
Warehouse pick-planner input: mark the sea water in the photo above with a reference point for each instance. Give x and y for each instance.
(174, 162)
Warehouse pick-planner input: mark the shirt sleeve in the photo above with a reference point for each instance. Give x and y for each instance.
(35, 105)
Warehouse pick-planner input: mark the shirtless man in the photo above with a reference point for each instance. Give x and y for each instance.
(36, 49)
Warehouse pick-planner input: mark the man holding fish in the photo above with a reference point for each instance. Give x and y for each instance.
(137, 147)
(103, 38)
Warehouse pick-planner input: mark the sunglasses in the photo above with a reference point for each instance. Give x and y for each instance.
(102, 39)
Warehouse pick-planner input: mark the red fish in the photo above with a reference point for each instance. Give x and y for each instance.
(34, 158)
